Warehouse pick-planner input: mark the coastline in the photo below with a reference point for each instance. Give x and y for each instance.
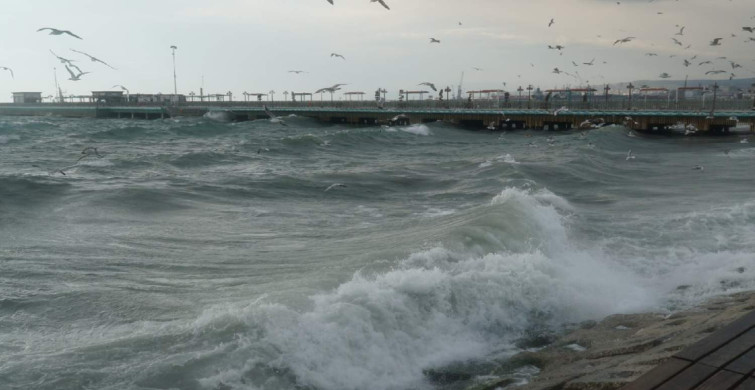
(613, 352)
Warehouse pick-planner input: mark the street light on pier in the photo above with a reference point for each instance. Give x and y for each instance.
(715, 92)
(175, 85)
(529, 96)
(272, 95)
(520, 89)
(606, 88)
(230, 96)
(630, 87)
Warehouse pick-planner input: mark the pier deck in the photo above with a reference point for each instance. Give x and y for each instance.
(644, 120)
(725, 360)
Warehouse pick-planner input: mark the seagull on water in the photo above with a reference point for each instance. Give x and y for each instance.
(94, 59)
(381, 3)
(698, 168)
(55, 31)
(431, 85)
(433, 40)
(89, 151)
(338, 55)
(9, 70)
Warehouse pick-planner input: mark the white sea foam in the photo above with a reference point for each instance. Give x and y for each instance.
(416, 129)
(439, 306)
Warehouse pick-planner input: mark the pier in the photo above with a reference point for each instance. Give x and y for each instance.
(720, 121)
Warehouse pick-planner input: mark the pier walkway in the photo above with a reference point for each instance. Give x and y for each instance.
(725, 360)
(643, 120)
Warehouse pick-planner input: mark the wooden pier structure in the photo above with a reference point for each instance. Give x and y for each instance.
(495, 119)
(725, 360)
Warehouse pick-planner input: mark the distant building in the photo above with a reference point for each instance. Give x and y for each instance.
(27, 97)
(108, 97)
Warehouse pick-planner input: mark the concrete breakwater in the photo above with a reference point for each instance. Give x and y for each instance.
(563, 119)
(609, 354)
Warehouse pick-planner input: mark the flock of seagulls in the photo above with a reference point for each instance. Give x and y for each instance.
(73, 70)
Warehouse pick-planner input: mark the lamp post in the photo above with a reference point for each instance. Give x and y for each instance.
(529, 96)
(630, 87)
(752, 91)
(230, 96)
(606, 88)
(520, 89)
(175, 85)
(715, 92)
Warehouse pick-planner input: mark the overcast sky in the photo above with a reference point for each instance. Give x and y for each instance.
(249, 45)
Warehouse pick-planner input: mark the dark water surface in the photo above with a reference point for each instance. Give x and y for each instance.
(199, 254)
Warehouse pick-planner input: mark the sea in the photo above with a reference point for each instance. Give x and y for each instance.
(198, 253)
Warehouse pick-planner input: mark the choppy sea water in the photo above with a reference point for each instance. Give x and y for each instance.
(201, 254)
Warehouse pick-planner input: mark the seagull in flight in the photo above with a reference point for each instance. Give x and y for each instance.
(431, 85)
(676, 41)
(715, 72)
(433, 40)
(551, 22)
(335, 185)
(62, 60)
(623, 40)
(681, 31)
(589, 63)
(121, 87)
(55, 31)
(330, 1)
(273, 118)
(664, 75)
(381, 3)
(9, 70)
(557, 47)
(716, 42)
(630, 155)
(75, 77)
(296, 71)
(338, 55)
(93, 58)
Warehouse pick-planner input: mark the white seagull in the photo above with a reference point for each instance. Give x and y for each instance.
(381, 3)
(630, 156)
(431, 85)
(273, 118)
(75, 77)
(55, 31)
(9, 70)
(94, 59)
